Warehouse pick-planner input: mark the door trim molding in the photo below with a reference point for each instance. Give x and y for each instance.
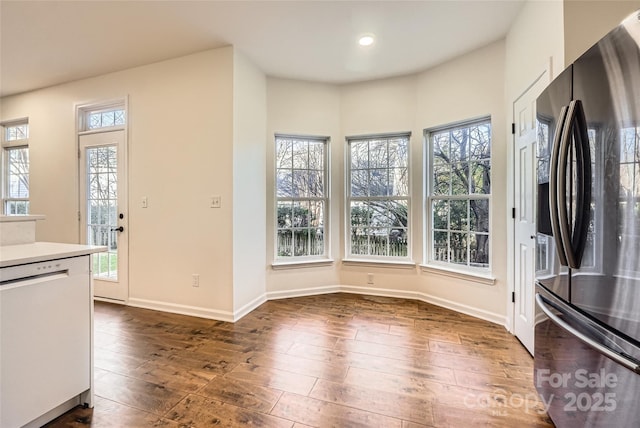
(547, 71)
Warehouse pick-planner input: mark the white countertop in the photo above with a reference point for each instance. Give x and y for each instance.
(14, 218)
(12, 255)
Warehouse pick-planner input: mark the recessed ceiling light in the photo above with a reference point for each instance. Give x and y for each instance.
(366, 40)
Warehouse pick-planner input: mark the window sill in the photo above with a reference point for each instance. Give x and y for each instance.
(379, 263)
(486, 279)
(298, 264)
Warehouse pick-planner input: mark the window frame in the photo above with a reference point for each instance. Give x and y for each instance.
(373, 258)
(7, 146)
(85, 112)
(429, 261)
(303, 260)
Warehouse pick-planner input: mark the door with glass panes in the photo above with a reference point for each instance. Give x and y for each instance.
(103, 215)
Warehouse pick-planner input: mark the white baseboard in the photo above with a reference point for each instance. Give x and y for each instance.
(183, 309)
(238, 314)
(276, 295)
(301, 292)
(402, 294)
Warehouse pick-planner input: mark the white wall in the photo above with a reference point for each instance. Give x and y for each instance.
(304, 108)
(586, 22)
(180, 153)
(249, 189)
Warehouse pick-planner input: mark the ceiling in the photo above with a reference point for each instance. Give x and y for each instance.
(43, 43)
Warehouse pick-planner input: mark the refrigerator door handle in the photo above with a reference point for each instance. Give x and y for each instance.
(553, 186)
(583, 181)
(599, 347)
(574, 241)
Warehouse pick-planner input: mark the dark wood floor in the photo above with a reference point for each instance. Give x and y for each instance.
(335, 360)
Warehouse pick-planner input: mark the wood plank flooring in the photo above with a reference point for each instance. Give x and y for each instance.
(336, 360)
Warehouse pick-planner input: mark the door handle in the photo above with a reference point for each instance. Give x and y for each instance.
(553, 186)
(118, 229)
(618, 357)
(574, 238)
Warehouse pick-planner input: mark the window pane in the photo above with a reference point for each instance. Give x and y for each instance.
(284, 153)
(300, 183)
(440, 214)
(316, 242)
(378, 154)
(316, 155)
(460, 145)
(479, 249)
(300, 154)
(479, 215)
(480, 177)
(17, 132)
(104, 119)
(441, 246)
(316, 214)
(378, 241)
(398, 182)
(301, 242)
(108, 119)
(285, 214)
(460, 179)
(360, 182)
(398, 214)
(441, 179)
(398, 153)
(441, 146)
(316, 184)
(359, 241)
(284, 183)
(459, 248)
(359, 154)
(300, 214)
(379, 180)
(18, 172)
(460, 166)
(285, 243)
(360, 215)
(300, 180)
(458, 215)
(479, 138)
(398, 243)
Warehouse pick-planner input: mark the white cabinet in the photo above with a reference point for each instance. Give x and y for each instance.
(46, 325)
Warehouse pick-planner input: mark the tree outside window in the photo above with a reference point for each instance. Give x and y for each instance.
(459, 183)
(379, 196)
(301, 180)
(16, 171)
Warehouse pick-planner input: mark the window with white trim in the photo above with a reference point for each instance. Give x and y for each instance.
(301, 197)
(15, 180)
(107, 117)
(459, 194)
(378, 197)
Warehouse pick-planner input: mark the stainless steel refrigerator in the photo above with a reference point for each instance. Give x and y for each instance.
(587, 326)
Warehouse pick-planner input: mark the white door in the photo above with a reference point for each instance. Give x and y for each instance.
(103, 216)
(524, 113)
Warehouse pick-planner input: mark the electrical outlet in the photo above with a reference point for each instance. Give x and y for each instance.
(145, 202)
(195, 280)
(370, 278)
(216, 202)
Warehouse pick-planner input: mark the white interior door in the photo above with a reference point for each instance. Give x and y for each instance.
(103, 217)
(524, 113)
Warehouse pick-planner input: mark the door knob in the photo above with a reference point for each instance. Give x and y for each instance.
(118, 229)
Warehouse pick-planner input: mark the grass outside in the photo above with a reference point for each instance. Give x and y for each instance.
(105, 264)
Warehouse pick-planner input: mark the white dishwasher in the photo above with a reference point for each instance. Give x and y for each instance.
(45, 336)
